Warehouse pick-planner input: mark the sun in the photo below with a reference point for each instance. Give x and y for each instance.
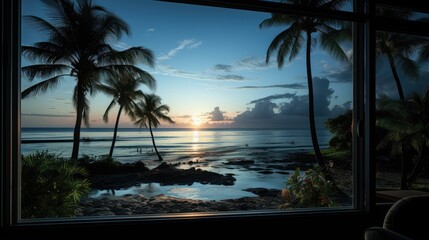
(196, 121)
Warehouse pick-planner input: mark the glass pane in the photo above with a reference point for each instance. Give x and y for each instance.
(399, 13)
(241, 118)
(402, 126)
(345, 5)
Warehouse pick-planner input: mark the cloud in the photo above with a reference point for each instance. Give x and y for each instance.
(184, 116)
(223, 67)
(261, 110)
(150, 30)
(252, 63)
(217, 115)
(289, 86)
(293, 113)
(274, 97)
(45, 115)
(184, 44)
(344, 75)
(230, 77)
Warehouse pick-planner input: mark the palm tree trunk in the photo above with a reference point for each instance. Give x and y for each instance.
(115, 132)
(417, 166)
(404, 173)
(153, 141)
(396, 76)
(77, 126)
(313, 132)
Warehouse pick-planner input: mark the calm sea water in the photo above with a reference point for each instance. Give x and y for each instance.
(213, 146)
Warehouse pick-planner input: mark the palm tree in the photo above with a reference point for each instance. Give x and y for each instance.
(289, 42)
(78, 46)
(124, 89)
(398, 48)
(407, 123)
(149, 113)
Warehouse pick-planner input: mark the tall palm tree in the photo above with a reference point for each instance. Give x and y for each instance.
(149, 113)
(125, 91)
(398, 48)
(289, 42)
(407, 123)
(78, 46)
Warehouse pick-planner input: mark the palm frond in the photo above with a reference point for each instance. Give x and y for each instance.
(424, 53)
(43, 25)
(42, 87)
(44, 70)
(409, 66)
(106, 113)
(131, 55)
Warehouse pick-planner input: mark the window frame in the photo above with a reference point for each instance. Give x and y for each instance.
(366, 24)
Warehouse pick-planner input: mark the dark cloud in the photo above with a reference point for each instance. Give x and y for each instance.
(223, 67)
(261, 110)
(289, 86)
(230, 77)
(217, 115)
(274, 97)
(45, 115)
(299, 104)
(295, 112)
(342, 76)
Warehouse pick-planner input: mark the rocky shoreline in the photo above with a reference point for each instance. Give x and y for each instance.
(175, 174)
(161, 204)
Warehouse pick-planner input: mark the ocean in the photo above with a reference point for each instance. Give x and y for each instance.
(210, 148)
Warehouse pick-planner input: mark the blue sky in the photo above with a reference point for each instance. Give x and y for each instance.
(210, 69)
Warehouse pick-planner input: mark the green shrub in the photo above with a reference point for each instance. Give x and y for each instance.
(51, 186)
(309, 190)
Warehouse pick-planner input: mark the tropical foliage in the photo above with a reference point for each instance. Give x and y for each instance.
(407, 126)
(78, 47)
(149, 114)
(299, 33)
(310, 189)
(340, 127)
(51, 186)
(398, 49)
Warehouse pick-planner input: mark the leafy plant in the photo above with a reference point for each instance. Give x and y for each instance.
(308, 190)
(51, 186)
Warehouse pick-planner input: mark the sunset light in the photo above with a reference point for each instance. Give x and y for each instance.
(196, 121)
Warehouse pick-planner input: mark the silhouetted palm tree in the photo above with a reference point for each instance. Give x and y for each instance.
(149, 113)
(289, 42)
(407, 123)
(78, 46)
(125, 91)
(398, 48)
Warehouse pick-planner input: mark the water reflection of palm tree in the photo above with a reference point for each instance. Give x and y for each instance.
(148, 114)
(289, 42)
(125, 91)
(78, 48)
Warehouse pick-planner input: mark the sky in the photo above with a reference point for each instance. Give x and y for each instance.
(210, 70)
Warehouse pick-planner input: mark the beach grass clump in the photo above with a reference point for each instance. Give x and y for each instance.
(51, 186)
(310, 189)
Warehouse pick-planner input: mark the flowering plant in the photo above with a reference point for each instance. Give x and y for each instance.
(310, 189)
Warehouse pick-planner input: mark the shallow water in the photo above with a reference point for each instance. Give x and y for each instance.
(207, 149)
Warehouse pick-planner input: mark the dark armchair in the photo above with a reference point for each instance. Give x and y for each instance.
(407, 219)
